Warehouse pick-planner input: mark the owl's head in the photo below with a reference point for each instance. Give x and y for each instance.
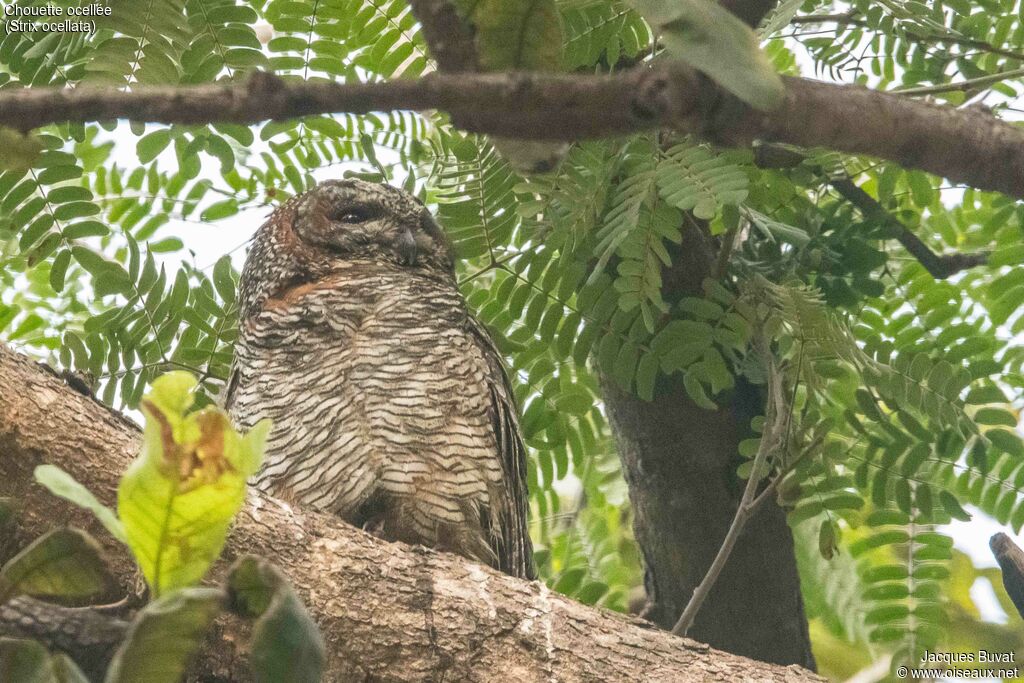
(352, 218)
(339, 221)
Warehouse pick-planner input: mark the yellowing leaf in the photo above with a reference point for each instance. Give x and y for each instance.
(710, 38)
(20, 150)
(177, 499)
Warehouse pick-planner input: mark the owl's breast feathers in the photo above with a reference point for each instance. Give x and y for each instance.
(390, 408)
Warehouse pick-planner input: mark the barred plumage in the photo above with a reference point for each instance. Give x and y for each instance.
(391, 408)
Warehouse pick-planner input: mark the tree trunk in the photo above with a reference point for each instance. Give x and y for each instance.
(388, 611)
(680, 463)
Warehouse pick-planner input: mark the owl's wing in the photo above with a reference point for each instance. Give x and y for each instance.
(514, 550)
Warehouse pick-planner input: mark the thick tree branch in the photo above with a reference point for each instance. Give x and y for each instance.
(389, 612)
(968, 146)
(1011, 561)
(940, 266)
(86, 635)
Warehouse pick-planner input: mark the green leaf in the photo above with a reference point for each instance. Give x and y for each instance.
(953, 507)
(827, 541)
(1007, 256)
(62, 484)
(516, 34)
(164, 635)
(26, 661)
(222, 209)
(695, 390)
(59, 269)
(100, 268)
(21, 151)
(286, 644)
(222, 279)
(63, 564)
(712, 39)
(178, 498)
(646, 376)
(995, 416)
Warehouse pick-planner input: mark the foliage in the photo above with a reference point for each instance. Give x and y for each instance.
(177, 499)
(27, 660)
(286, 644)
(63, 563)
(904, 389)
(192, 470)
(711, 38)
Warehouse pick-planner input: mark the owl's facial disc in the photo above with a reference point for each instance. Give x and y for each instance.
(355, 219)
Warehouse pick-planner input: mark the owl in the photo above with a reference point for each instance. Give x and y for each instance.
(389, 401)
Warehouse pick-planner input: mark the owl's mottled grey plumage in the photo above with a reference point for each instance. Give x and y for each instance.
(390, 405)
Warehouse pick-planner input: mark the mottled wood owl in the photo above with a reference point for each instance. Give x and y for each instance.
(390, 405)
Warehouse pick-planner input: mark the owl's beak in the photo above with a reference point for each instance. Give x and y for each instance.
(406, 248)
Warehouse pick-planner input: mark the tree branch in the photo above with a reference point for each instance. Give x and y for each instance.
(962, 86)
(851, 19)
(1011, 561)
(86, 635)
(940, 266)
(958, 144)
(388, 611)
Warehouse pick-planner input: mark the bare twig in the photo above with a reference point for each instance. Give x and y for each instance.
(969, 84)
(940, 266)
(725, 251)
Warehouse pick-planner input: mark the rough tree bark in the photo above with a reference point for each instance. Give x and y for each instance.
(680, 462)
(388, 612)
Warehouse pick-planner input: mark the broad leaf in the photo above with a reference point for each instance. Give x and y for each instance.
(710, 38)
(178, 498)
(516, 34)
(164, 635)
(26, 661)
(62, 484)
(64, 563)
(21, 151)
(286, 644)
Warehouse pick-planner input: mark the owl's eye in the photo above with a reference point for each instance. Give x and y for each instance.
(349, 216)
